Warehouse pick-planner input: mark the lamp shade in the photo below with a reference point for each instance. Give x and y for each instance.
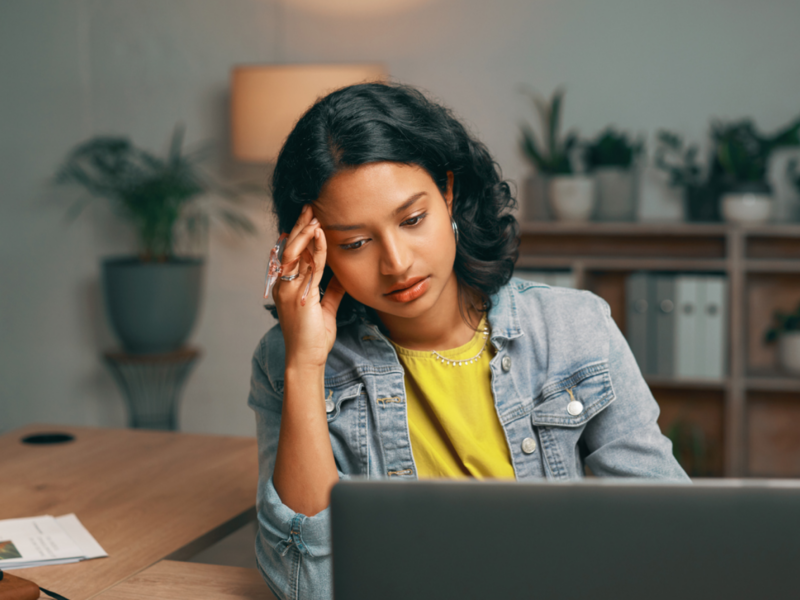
(267, 101)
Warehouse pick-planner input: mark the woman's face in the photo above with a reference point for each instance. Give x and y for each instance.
(390, 242)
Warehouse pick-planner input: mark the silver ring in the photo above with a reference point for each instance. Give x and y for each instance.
(290, 277)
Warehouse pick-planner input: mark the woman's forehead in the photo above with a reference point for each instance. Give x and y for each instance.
(374, 189)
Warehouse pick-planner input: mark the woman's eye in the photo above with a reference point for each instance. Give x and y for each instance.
(414, 220)
(353, 246)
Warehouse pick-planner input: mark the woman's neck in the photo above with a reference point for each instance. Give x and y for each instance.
(443, 327)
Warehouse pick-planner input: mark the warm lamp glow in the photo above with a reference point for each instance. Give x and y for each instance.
(357, 8)
(267, 101)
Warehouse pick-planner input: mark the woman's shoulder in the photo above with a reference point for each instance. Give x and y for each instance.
(564, 322)
(547, 300)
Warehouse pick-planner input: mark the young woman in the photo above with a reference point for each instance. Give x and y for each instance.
(423, 357)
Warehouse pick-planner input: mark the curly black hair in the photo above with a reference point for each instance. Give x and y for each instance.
(390, 122)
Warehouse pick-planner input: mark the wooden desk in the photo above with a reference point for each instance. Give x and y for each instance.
(143, 495)
(169, 580)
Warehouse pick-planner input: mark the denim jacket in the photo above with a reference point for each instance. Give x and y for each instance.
(554, 346)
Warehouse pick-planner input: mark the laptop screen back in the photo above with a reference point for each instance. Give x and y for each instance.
(595, 539)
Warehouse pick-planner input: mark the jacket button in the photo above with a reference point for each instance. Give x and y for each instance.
(506, 363)
(329, 406)
(575, 408)
(529, 445)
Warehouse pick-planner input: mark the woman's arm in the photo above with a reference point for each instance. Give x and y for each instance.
(292, 550)
(305, 470)
(296, 464)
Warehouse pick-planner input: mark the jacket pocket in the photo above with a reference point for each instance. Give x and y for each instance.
(335, 398)
(347, 418)
(560, 417)
(572, 401)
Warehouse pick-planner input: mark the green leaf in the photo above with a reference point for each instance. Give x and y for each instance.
(555, 120)
(154, 194)
(531, 149)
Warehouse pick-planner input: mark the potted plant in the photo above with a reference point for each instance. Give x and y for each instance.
(569, 196)
(679, 161)
(735, 177)
(786, 330)
(611, 158)
(744, 153)
(152, 298)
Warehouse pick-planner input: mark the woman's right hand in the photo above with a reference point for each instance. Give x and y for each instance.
(309, 329)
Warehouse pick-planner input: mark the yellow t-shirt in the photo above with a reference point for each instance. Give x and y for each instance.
(454, 428)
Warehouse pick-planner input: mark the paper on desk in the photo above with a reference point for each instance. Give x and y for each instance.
(45, 540)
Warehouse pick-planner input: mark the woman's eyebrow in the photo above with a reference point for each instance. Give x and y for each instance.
(399, 209)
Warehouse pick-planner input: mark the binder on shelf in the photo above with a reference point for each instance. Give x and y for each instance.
(714, 326)
(661, 348)
(688, 334)
(637, 316)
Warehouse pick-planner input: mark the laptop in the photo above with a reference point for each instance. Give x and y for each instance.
(590, 540)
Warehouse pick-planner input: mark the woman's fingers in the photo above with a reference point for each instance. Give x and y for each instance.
(306, 215)
(319, 252)
(295, 248)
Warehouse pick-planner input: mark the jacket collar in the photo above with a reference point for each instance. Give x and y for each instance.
(503, 317)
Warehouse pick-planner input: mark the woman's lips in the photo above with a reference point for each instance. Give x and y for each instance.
(410, 293)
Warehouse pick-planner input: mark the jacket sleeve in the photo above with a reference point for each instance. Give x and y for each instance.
(292, 550)
(624, 440)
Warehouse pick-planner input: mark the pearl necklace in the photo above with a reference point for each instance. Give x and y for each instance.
(466, 361)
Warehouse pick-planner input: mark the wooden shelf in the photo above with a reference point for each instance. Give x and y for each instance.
(773, 382)
(665, 229)
(622, 264)
(687, 384)
(760, 263)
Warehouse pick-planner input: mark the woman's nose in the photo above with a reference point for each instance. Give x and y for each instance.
(395, 256)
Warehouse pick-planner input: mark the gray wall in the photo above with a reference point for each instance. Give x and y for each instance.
(72, 68)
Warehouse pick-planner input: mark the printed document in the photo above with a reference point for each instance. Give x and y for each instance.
(45, 540)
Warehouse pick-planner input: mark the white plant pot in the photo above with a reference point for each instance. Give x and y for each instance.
(616, 194)
(747, 208)
(789, 351)
(571, 197)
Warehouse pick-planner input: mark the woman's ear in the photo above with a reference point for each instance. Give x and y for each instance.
(448, 195)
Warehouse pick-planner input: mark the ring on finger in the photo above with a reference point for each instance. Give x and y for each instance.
(290, 277)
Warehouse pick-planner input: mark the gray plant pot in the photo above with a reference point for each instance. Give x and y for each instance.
(536, 205)
(616, 194)
(152, 307)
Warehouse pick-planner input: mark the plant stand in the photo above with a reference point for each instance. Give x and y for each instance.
(151, 385)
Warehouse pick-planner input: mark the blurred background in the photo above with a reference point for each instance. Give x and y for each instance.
(718, 75)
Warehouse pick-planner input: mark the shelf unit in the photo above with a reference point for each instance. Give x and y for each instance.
(752, 416)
